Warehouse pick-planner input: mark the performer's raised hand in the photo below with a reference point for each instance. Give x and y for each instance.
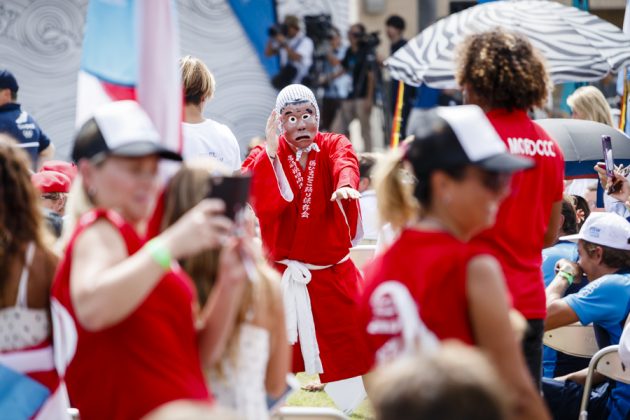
(272, 134)
(345, 193)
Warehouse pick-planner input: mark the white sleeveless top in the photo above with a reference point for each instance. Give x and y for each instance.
(21, 327)
(241, 383)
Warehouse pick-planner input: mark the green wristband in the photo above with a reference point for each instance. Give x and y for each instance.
(160, 253)
(568, 276)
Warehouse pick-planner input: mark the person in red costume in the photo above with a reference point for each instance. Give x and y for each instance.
(502, 73)
(304, 192)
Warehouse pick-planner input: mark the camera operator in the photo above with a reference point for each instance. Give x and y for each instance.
(294, 48)
(360, 62)
(334, 79)
(394, 28)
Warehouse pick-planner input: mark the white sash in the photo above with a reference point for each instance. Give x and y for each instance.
(298, 312)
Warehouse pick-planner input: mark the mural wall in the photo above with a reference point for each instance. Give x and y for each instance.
(40, 42)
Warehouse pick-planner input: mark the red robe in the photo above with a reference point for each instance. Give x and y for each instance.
(299, 222)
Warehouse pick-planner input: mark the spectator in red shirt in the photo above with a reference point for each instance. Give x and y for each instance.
(455, 289)
(502, 73)
(123, 309)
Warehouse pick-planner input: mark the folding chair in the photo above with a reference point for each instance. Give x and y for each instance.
(575, 340)
(606, 362)
(309, 413)
(362, 254)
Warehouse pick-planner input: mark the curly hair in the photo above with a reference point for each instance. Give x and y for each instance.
(503, 70)
(21, 220)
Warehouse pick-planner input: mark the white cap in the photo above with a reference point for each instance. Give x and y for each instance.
(123, 122)
(124, 129)
(295, 94)
(475, 133)
(606, 229)
(471, 140)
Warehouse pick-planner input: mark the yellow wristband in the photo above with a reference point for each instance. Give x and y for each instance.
(160, 253)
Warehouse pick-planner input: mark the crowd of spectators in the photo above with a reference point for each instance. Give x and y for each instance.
(125, 295)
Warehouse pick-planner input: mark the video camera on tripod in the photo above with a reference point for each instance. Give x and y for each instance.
(370, 40)
(320, 29)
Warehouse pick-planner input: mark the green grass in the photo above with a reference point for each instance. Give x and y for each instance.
(321, 399)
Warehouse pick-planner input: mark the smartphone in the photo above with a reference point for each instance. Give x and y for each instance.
(608, 156)
(233, 190)
(615, 184)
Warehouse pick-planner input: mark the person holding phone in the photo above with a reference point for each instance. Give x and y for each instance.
(251, 356)
(122, 308)
(304, 192)
(614, 181)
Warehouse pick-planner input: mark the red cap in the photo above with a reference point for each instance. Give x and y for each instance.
(51, 182)
(68, 169)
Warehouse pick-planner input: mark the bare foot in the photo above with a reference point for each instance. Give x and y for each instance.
(314, 387)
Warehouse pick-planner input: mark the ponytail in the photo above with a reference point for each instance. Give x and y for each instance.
(396, 203)
(77, 204)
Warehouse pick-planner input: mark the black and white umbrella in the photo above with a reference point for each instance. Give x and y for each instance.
(577, 45)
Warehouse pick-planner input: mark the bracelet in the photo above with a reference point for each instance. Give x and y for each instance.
(567, 276)
(160, 253)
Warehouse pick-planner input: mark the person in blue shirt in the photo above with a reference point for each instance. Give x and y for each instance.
(556, 363)
(604, 257)
(19, 124)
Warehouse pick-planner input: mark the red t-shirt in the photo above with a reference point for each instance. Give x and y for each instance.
(517, 238)
(144, 361)
(432, 266)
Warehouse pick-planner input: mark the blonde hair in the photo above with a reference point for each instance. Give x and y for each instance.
(78, 203)
(394, 191)
(461, 381)
(199, 83)
(591, 104)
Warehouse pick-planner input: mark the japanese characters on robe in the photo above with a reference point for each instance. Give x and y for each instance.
(299, 222)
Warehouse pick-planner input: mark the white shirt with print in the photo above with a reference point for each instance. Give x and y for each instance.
(210, 138)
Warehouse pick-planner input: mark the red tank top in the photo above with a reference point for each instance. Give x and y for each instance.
(432, 266)
(144, 361)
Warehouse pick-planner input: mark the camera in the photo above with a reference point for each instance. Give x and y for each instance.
(278, 28)
(370, 40)
(318, 28)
